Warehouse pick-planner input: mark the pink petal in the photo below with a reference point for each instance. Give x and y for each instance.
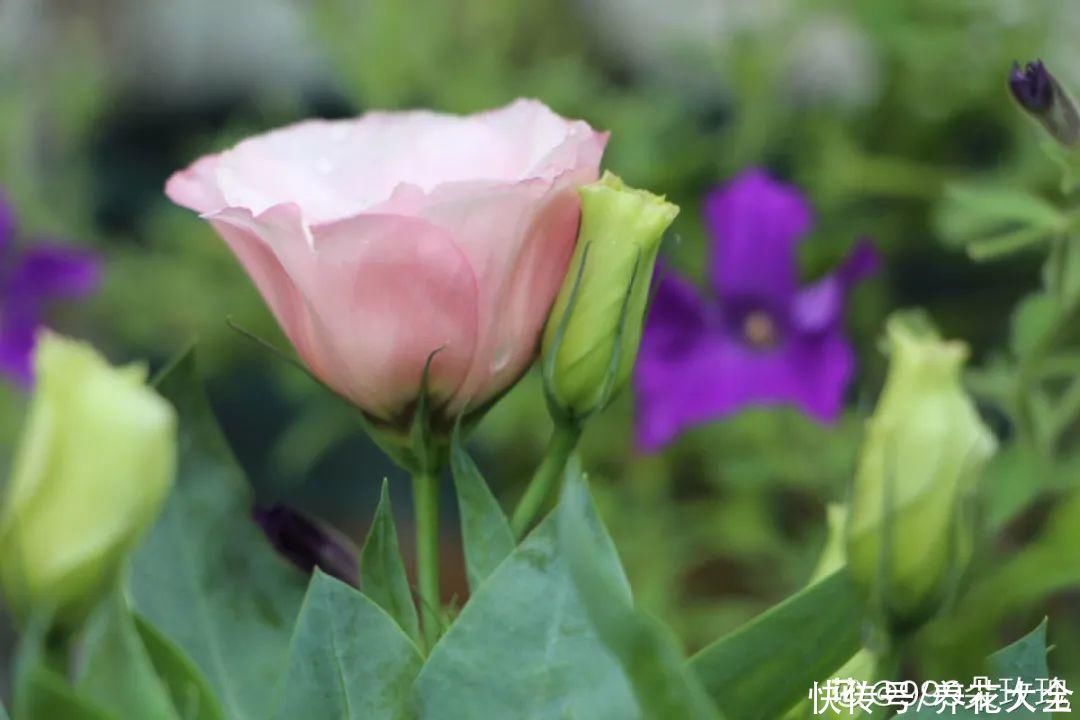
(196, 187)
(271, 247)
(518, 239)
(387, 292)
(336, 169)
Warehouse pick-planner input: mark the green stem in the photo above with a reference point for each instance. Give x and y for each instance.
(426, 516)
(564, 439)
(886, 667)
(1066, 411)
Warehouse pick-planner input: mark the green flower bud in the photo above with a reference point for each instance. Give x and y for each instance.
(924, 449)
(94, 465)
(592, 335)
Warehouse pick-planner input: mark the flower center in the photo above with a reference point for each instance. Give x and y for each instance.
(760, 330)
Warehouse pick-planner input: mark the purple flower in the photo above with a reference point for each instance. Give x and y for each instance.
(761, 339)
(30, 280)
(1032, 86)
(308, 543)
(1038, 92)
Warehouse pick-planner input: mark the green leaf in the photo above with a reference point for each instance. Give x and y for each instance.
(1067, 160)
(205, 576)
(3, 712)
(349, 659)
(995, 220)
(382, 571)
(1024, 659)
(116, 670)
(485, 531)
(664, 685)
(1067, 282)
(523, 648)
(190, 692)
(765, 667)
(41, 692)
(1007, 243)
(1033, 321)
(48, 697)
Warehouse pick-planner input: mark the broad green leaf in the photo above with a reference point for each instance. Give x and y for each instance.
(3, 712)
(116, 671)
(349, 659)
(206, 577)
(1024, 659)
(382, 571)
(765, 667)
(485, 530)
(190, 692)
(665, 687)
(523, 648)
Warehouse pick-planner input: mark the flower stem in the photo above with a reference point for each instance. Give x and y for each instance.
(426, 517)
(564, 439)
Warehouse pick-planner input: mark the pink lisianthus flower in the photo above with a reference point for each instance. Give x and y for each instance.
(380, 240)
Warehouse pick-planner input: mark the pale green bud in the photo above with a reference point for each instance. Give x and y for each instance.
(592, 335)
(95, 463)
(924, 449)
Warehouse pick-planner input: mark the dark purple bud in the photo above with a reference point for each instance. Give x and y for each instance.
(1038, 92)
(1032, 86)
(308, 543)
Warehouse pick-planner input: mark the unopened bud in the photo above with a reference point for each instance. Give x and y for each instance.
(1042, 96)
(309, 544)
(592, 335)
(925, 447)
(95, 463)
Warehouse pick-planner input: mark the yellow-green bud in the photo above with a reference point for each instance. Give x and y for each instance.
(924, 449)
(601, 307)
(95, 463)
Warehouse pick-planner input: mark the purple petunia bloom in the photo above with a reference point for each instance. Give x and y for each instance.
(308, 543)
(30, 280)
(761, 339)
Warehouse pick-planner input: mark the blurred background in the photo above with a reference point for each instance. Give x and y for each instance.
(873, 108)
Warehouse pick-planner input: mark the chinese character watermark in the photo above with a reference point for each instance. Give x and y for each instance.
(846, 696)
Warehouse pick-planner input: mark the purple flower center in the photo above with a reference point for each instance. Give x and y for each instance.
(760, 330)
(755, 323)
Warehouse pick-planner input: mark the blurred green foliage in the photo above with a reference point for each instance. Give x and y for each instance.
(732, 517)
